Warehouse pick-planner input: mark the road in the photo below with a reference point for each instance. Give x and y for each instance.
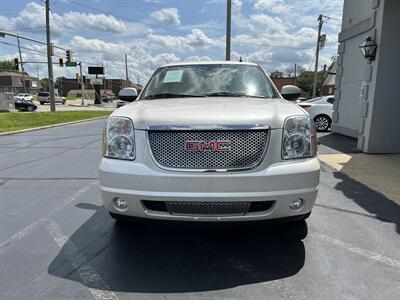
(57, 242)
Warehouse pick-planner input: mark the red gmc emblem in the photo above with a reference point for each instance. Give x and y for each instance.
(212, 146)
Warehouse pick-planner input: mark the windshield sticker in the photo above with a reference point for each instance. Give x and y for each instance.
(173, 76)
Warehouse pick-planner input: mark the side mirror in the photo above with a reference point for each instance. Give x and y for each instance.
(290, 92)
(128, 94)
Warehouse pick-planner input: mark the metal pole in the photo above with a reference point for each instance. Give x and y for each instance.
(228, 29)
(22, 66)
(82, 85)
(314, 94)
(126, 67)
(49, 59)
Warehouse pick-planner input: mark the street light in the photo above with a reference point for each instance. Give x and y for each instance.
(368, 49)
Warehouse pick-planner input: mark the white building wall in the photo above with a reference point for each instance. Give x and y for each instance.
(367, 106)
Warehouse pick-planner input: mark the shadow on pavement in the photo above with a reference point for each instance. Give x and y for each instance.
(383, 208)
(336, 143)
(169, 257)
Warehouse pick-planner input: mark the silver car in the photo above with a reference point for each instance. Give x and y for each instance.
(211, 141)
(44, 97)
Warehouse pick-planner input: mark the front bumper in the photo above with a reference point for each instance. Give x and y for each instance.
(279, 182)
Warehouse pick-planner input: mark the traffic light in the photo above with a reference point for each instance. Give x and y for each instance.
(69, 55)
(16, 64)
(77, 77)
(61, 62)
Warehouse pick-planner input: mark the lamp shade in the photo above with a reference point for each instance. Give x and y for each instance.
(368, 48)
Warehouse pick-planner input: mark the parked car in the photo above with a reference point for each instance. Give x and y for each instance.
(23, 96)
(107, 98)
(24, 105)
(210, 141)
(320, 110)
(44, 97)
(126, 95)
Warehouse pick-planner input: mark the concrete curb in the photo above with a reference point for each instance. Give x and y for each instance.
(51, 126)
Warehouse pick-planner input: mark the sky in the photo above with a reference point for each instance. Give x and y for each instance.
(274, 33)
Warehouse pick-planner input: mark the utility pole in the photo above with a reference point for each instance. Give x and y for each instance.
(49, 58)
(320, 23)
(126, 67)
(22, 66)
(228, 29)
(295, 71)
(82, 84)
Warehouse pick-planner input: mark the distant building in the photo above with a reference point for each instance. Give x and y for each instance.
(69, 86)
(12, 82)
(282, 81)
(328, 87)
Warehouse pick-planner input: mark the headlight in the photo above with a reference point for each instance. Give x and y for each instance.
(119, 139)
(299, 138)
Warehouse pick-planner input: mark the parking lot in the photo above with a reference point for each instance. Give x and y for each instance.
(57, 241)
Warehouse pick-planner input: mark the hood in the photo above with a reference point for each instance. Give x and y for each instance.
(209, 111)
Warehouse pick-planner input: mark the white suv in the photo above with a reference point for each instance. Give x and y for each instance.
(211, 141)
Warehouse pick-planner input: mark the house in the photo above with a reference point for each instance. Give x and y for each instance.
(12, 82)
(367, 105)
(282, 81)
(328, 86)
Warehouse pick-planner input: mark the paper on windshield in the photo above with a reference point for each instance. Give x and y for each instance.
(173, 76)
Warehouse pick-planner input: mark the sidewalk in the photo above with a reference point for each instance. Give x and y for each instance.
(380, 172)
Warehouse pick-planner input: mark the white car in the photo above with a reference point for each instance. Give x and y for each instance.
(320, 110)
(23, 96)
(211, 141)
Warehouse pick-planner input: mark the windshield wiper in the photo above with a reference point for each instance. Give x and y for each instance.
(170, 95)
(232, 94)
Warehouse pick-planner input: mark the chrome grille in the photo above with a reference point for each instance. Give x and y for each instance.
(246, 148)
(208, 208)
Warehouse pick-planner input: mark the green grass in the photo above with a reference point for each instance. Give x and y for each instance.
(17, 120)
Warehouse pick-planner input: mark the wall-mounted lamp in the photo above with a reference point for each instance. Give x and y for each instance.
(368, 49)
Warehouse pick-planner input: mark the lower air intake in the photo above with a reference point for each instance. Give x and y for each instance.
(208, 208)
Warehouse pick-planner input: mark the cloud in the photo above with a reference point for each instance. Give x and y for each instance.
(167, 15)
(32, 16)
(194, 40)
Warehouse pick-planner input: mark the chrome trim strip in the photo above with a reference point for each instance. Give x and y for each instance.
(258, 163)
(209, 127)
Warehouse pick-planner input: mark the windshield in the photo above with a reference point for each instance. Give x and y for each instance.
(209, 80)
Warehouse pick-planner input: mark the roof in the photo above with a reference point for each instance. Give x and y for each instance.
(16, 74)
(221, 62)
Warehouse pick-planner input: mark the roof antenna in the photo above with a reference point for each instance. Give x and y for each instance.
(240, 59)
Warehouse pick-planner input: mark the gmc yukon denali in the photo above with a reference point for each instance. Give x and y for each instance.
(209, 141)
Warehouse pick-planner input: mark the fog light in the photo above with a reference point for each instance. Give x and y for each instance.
(120, 203)
(296, 204)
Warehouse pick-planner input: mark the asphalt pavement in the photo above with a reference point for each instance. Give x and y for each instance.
(57, 242)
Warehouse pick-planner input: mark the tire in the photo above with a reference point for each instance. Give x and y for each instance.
(322, 123)
(64, 102)
(41, 103)
(30, 108)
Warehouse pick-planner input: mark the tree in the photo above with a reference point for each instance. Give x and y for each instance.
(276, 74)
(45, 84)
(7, 65)
(305, 82)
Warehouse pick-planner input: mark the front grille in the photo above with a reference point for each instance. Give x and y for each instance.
(208, 208)
(246, 148)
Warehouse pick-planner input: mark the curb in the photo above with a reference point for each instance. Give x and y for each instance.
(51, 126)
